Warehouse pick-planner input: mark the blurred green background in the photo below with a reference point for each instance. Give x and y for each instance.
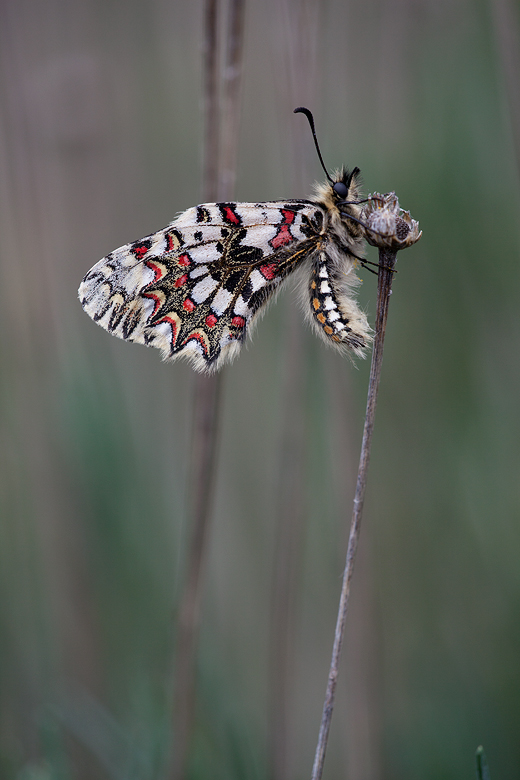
(100, 144)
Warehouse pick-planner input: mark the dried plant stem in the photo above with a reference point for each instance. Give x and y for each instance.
(232, 80)
(506, 22)
(220, 134)
(203, 467)
(204, 438)
(211, 101)
(387, 260)
(297, 25)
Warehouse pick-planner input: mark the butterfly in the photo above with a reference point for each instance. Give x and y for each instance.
(196, 288)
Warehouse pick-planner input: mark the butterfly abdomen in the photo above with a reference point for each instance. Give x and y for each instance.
(334, 311)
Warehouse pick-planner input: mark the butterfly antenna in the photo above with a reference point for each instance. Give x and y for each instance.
(303, 110)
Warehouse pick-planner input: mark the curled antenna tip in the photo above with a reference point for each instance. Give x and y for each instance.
(308, 114)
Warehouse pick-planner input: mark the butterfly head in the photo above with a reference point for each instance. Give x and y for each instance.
(344, 186)
(342, 191)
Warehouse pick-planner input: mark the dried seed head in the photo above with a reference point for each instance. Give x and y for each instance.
(388, 226)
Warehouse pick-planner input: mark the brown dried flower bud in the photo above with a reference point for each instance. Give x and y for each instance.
(388, 226)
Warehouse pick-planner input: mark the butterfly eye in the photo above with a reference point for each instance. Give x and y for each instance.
(340, 189)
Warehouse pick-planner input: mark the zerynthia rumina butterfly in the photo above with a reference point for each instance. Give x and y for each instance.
(195, 288)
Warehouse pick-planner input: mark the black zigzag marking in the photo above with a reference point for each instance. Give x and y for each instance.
(117, 315)
(130, 324)
(98, 315)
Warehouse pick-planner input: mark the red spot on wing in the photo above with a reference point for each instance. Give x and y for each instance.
(189, 305)
(184, 260)
(140, 249)
(284, 235)
(173, 240)
(181, 281)
(231, 216)
(269, 270)
(157, 271)
(238, 322)
(211, 320)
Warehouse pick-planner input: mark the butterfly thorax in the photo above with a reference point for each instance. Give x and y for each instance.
(335, 314)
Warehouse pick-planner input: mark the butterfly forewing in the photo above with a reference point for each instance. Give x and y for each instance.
(194, 288)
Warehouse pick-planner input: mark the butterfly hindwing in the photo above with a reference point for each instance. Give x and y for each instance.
(194, 288)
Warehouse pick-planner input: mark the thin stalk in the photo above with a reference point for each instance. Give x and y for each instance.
(506, 19)
(203, 468)
(387, 260)
(219, 135)
(231, 82)
(297, 29)
(203, 443)
(211, 111)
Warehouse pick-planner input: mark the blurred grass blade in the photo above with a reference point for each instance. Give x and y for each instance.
(482, 764)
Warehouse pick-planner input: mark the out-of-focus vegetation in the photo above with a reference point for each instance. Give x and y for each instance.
(100, 144)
